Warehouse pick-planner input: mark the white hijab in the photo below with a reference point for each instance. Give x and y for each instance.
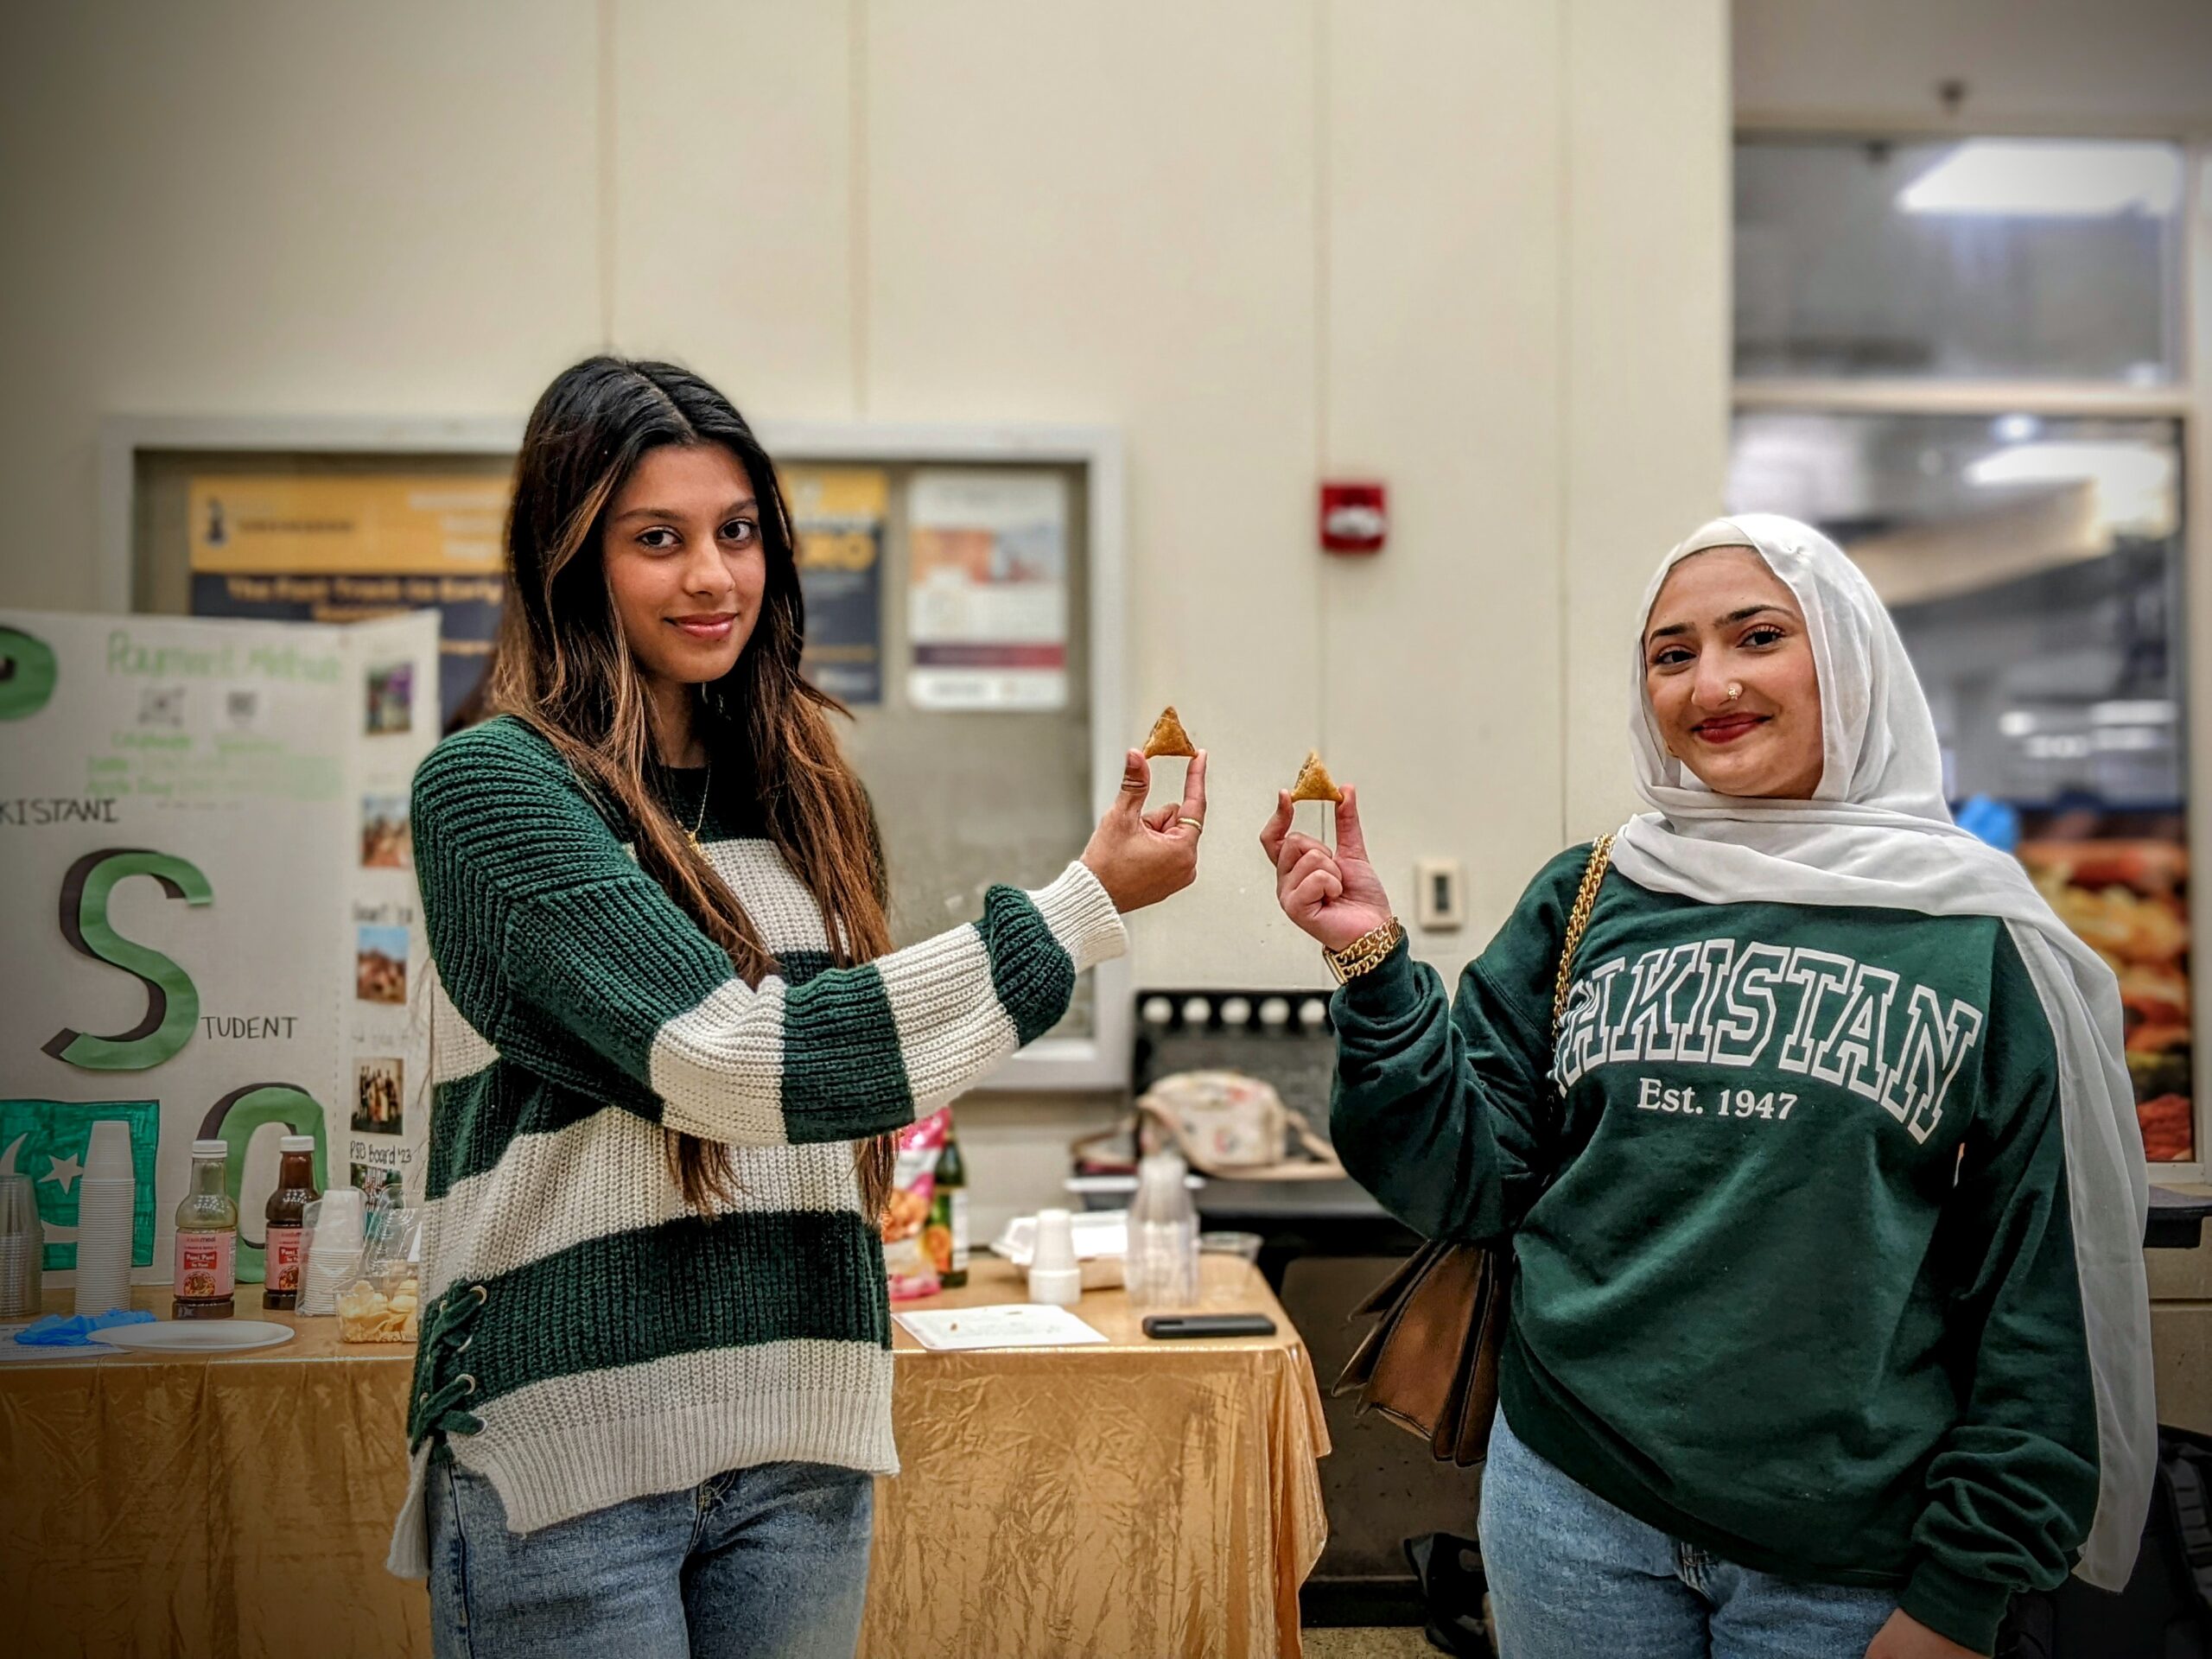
(1877, 832)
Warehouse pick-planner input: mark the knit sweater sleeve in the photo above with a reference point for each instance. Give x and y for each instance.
(575, 963)
(2012, 1489)
(1444, 1110)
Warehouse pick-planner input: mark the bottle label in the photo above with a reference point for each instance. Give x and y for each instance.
(937, 1236)
(206, 1265)
(283, 1259)
(959, 1230)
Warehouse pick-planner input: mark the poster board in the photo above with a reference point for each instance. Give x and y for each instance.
(210, 899)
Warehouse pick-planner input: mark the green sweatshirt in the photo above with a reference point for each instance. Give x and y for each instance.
(1796, 1281)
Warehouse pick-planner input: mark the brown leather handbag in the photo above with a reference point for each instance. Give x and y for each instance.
(1430, 1364)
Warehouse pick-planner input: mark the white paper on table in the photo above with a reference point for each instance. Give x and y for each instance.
(1009, 1324)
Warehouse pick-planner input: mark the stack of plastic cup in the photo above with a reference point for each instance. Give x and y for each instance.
(1055, 1276)
(22, 1244)
(333, 1249)
(106, 1194)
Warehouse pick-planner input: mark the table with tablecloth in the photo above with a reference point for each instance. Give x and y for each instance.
(1134, 1498)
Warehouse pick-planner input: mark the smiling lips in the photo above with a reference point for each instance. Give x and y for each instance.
(709, 627)
(1727, 728)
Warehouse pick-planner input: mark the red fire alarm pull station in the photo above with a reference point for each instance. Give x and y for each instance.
(1354, 517)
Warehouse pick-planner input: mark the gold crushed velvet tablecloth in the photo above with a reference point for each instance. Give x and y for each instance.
(1140, 1498)
(1137, 1498)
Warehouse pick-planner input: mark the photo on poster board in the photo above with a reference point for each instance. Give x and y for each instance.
(387, 836)
(374, 1178)
(380, 965)
(987, 590)
(391, 699)
(379, 1097)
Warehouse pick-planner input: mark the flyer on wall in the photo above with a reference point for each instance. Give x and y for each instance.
(838, 513)
(987, 610)
(342, 547)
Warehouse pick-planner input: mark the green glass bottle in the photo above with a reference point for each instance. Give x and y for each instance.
(948, 1228)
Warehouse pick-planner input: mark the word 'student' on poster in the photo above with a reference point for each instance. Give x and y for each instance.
(839, 513)
(986, 611)
(211, 919)
(343, 547)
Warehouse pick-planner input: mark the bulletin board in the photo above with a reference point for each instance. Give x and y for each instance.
(963, 590)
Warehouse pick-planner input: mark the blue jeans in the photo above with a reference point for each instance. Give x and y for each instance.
(1570, 1576)
(769, 1563)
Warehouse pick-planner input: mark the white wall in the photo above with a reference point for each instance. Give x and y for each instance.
(1475, 247)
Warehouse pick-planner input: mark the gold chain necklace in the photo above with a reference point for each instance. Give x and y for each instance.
(706, 789)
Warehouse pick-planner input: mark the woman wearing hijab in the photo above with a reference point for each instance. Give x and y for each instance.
(1829, 1332)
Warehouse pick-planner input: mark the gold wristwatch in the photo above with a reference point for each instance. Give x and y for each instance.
(1364, 952)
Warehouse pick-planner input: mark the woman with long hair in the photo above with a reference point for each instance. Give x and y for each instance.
(1828, 1332)
(671, 1048)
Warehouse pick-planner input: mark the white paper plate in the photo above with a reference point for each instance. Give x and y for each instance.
(197, 1336)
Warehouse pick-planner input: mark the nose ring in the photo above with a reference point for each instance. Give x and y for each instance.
(1735, 690)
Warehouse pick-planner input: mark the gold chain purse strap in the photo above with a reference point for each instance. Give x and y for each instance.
(1578, 923)
(1430, 1364)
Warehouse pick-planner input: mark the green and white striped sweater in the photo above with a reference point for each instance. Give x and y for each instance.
(589, 1337)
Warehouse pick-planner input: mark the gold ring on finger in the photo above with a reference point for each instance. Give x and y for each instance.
(1193, 822)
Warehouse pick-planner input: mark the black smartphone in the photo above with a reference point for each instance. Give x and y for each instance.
(1167, 1326)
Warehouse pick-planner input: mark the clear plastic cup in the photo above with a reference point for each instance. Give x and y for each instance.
(1228, 1269)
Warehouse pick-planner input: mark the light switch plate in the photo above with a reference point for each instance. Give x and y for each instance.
(1439, 889)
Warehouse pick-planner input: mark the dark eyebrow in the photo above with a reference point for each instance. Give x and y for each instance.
(1729, 620)
(670, 512)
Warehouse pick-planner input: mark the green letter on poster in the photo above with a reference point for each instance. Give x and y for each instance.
(27, 674)
(172, 1003)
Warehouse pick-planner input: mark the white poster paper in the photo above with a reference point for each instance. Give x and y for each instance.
(209, 895)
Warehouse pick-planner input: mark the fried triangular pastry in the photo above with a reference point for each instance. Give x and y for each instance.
(1314, 783)
(1168, 736)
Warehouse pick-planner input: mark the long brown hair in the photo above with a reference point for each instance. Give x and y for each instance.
(563, 665)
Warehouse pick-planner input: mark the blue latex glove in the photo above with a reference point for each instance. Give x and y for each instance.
(1991, 820)
(55, 1330)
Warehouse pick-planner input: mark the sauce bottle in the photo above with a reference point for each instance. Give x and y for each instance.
(296, 1190)
(207, 1239)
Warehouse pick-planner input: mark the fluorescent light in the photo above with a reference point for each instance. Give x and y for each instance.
(2016, 722)
(2134, 481)
(2152, 712)
(2016, 428)
(2131, 740)
(2049, 178)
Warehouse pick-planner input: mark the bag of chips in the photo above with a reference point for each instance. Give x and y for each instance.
(907, 1259)
(383, 1305)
